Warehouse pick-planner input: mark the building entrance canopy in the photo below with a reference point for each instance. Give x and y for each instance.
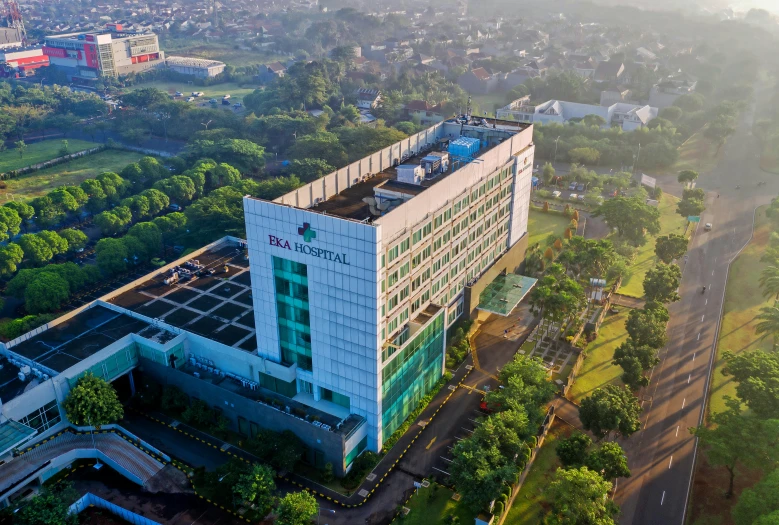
(503, 294)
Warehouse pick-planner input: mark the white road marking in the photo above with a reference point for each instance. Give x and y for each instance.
(670, 462)
(707, 301)
(699, 336)
(447, 460)
(693, 357)
(445, 472)
(712, 272)
(677, 431)
(471, 431)
(683, 402)
(662, 499)
(703, 317)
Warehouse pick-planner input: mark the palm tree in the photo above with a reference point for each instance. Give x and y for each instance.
(769, 322)
(769, 282)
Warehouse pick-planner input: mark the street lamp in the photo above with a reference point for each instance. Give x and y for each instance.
(98, 465)
(319, 513)
(206, 124)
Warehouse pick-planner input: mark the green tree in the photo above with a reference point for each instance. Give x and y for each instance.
(661, 283)
(218, 214)
(47, 293)
(526, 388)
(10, 223)
(296, 508)
(362, 141)
(149, 235)
(608, 409)
(670, 247)
(93, 402)
(548, 173)
(308, 170)
(178, 188)
(690, 207)
(609, 460)
(50, 507)
(36, 249)
(586, 156)
(111, 256)
(76, 239)
(321, 145)
(21, 148)
(11, 256)
(756, 374)
(579, 496)
(632, 218)
(761, 500)
(769, 282)
(687, 177)
(479, 473)
(572, 451)
(257, 486)
(647, 327)
(734, 438)
(24, 210)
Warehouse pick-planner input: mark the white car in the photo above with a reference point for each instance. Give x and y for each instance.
(581, 197)
(573, 196)
(178, 94)
(556, 194)
(707, 227)
(190, 99)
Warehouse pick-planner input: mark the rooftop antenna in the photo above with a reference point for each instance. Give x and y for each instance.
(468, 109)
(13, 17)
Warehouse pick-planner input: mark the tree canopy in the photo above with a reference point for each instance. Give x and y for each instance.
(610, 409)
(632, 218)
(92, 402)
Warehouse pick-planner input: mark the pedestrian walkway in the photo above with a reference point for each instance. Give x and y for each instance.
(129, 457)
(627, 301)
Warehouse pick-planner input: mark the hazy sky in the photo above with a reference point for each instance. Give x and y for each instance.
(770, 5)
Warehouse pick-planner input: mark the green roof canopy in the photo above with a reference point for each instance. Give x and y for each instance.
(503, 294)
(13, 434)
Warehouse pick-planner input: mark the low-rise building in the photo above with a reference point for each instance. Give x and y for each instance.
(21, 62)
(196, 67)
(628, 116)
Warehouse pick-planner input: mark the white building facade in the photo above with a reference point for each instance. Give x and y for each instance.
(357, 299)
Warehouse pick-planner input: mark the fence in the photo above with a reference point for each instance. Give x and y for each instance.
(90, 500)
(147, 151)
(49, 163)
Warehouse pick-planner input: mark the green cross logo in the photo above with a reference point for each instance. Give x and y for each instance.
(307, 233)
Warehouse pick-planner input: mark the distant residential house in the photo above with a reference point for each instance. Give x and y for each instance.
(627, 116)
(269, 72)
(367, 98)
(423, 112)
(609, 71)
(610, 97)
(665, 93)
(586, 68)
(478, 81)
(517, 77)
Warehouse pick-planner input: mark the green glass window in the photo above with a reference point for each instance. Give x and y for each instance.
(291, 280)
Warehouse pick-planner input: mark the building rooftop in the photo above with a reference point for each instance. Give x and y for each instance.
(192, 62)
(216, 304)
(354, 202)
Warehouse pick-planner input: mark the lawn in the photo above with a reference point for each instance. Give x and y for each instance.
(433, 505)
(743, 300)
(597, 369)
(39, 152)
(541, 225)
(528, 507)
(40, 182)
(235, 91)
(670, 222)
(698, 154)
(222, 52)
(488, 103)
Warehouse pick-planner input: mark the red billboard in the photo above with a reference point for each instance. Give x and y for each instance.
(55, 52)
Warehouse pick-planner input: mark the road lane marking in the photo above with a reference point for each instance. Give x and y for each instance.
(712, 273)
(445, 472)
(447, 460)
(683, 402)
(471, 431)
(431, 443)
(677, 430)
(693, 357)
(702, 317)
(699, 336)
(670, 462)
(688, 378)
(661, 499)
(707, 301)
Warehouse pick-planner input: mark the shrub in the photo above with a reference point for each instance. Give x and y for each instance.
(498, 509)
(174, 400)
(327, 473)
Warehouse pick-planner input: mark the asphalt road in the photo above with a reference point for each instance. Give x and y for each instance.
(662, 454)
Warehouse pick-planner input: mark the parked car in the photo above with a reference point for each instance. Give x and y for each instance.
(572, 186)
(614, 193)
(197, 93)
(175, 207)
(190, 99)
(573, 196)
(707, 227)
(556, 194)
(580, 187)
(178, 94)
(581, 197)
(225, 101)
(237, 105)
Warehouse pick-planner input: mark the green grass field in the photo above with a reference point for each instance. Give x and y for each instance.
(528, 507)
(433, 505)
(697, 154)
(541, 225)
(73, 172)
(40, 152)
(743, 300)
(597, 370)
(670, 222)
(235, 91)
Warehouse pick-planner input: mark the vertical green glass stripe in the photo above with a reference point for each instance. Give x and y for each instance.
(292, 308)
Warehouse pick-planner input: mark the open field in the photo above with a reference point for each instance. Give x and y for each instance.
(697, 154)
(528, 507)
(597, 369)
(222, 52)
(235, 91)
(670, 222)
(434, 505)
(542, 225)
(743, 300)
(73, 172)
(40, 152)
(488, 102)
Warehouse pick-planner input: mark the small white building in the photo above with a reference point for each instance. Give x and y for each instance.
(628, 116)
(196, 67)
